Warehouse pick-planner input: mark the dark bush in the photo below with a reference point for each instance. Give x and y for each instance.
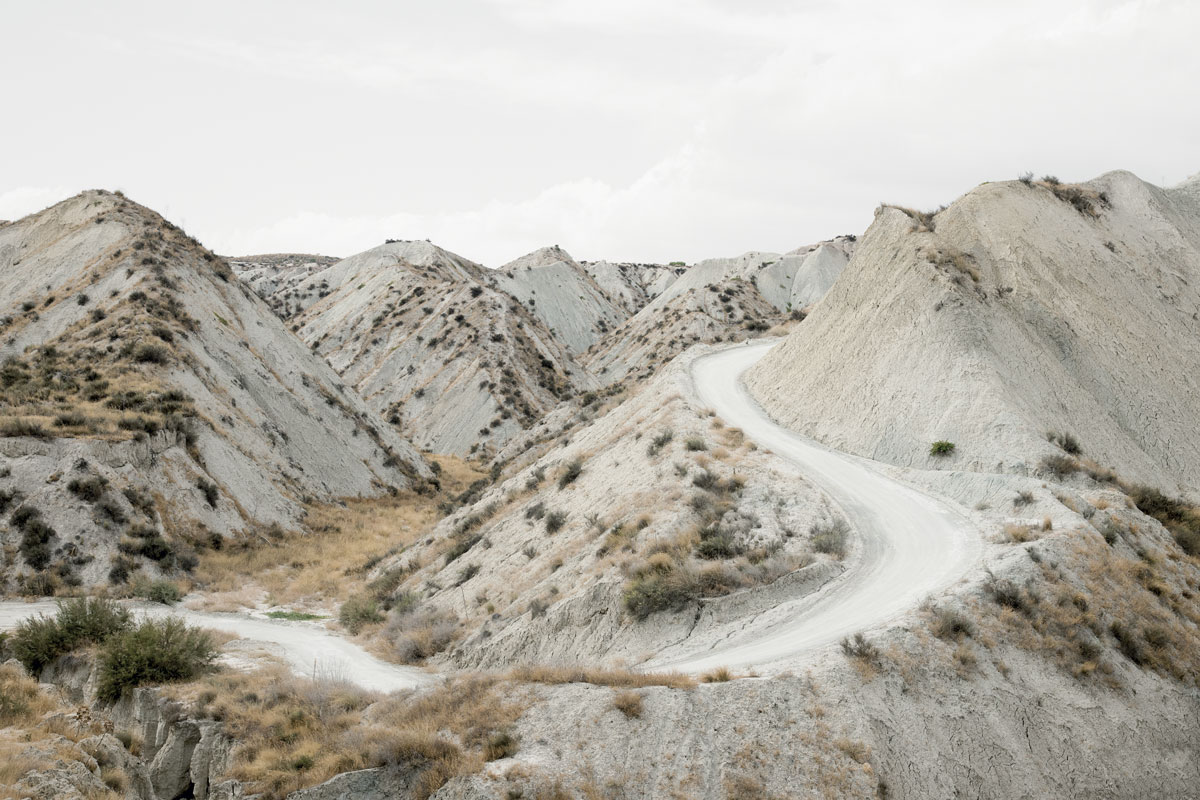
(209, 489)
(156, 651)
(555, 520)
(941, 448)
(570, 474)
(89, 489)
(151, 354)
(23, 427)
(83, 621)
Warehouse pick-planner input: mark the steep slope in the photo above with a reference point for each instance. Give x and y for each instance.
(632, 286)
(430, 344)
(719, 299)
(560, 293)
(274, 277)
(1020, 310)
(149, 401)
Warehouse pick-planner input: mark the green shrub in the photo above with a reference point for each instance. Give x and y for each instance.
(360, 610)
(85, 620)
(695, 443)
(156, 651)
(941, 448)
(158, 591)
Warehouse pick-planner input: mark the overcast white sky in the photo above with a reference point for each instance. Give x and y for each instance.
(624, 129)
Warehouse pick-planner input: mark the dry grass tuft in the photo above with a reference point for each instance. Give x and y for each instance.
(617, 678)
(631, 704)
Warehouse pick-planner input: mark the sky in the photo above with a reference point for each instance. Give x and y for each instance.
(630, 130)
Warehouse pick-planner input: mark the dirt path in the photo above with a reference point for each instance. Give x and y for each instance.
(913, 545)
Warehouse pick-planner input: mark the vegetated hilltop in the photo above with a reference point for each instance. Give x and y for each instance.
(1026, 308)
(721, 299)
(149, 401)
(433, 346)
(274, 276)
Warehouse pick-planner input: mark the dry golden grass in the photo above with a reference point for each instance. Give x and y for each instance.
(327, 562)
(617, 678)
(291, 732)
(29, 740)
(1018, 534)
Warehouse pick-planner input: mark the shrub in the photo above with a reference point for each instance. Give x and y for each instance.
(860, 648)
(629, 703)
(90, 488)
(659, 588)
(70, 419)
(1023, 498)
(466, 573)
(659, 442)
(87, 620)
(501, 744)
(555, 520)
(951, 625)
(22, 427)
(1181, 519)
(151, 354)
(160, 591)
(359, 611)
(718, 675)
(420, 633)
(831, 538)
(1060, 466)
(694, 443)
(573, 471)
(110, 508)
(941, 448)
(1067, 442)
(209, 489)
(156, 651)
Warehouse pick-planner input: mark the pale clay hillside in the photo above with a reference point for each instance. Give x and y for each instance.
(1009, 315)
(953, 554)
(161, 402)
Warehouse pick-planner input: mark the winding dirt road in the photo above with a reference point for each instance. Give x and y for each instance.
(912, 545)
